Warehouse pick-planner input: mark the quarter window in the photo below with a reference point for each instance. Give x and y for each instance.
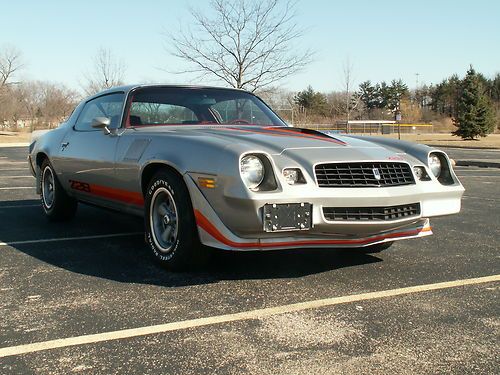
(110, 106)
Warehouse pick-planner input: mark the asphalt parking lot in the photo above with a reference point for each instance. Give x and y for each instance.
(90, 284)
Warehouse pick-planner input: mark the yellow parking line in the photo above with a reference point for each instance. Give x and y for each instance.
(245, 315)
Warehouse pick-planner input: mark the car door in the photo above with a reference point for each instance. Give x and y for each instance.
(88, 154)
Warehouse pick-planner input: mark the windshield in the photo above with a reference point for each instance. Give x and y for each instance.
(198, 106)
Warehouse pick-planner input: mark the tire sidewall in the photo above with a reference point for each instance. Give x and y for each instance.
(164, 181)
(46, 209)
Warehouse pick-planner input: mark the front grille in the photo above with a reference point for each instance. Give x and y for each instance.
(371, 213)
(363, 174)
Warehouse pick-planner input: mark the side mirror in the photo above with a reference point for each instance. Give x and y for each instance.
(101, 123)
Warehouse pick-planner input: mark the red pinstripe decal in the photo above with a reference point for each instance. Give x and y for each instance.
(275, 132)
(125, 196)
(208, 227)
(305, 135)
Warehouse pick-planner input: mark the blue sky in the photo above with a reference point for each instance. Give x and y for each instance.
(382, 39)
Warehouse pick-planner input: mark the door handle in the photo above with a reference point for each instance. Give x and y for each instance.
(64, 145)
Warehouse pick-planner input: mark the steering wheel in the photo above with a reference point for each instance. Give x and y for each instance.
(239, 121)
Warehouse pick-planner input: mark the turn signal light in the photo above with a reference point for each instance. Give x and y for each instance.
(206, 182)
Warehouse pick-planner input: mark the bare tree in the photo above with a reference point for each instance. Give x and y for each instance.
(351, 99)
(107, 72)
(247, 44)
(36, 104)
(10, 63)
(281, 100)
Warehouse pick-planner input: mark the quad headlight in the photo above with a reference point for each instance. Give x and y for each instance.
(252, 171)
(293, 176)
(419, 172)
(435, 165)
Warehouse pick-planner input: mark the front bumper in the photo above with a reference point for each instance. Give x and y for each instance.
(242, 210)
(214, 232)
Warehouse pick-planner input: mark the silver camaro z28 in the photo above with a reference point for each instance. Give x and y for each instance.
(218, 167)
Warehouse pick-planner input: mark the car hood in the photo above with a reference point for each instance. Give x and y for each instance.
(274, 140)
(210, 148)
(303, 145)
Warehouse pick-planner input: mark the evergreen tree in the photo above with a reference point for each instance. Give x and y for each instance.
(494, 88)
(390, 95)
(311, 100)
(445, 96)
(397, 91)
(369, 96)
(384, 94)
(474, 117)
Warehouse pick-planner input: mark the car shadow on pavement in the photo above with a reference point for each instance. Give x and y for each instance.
(20, 203)
(127, 259)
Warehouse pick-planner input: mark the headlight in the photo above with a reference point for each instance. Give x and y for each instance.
(435, 165)
(251, 171)
(419, 172)
(293, 176)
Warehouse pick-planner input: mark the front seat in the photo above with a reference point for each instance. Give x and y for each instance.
(135, 120)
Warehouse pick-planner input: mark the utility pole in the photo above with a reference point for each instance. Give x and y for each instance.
(416, 90)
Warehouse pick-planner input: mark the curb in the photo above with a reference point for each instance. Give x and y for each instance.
(478, 163)
(463, 147)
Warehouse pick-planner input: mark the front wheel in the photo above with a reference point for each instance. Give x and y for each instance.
(170, 225)
(56, 204)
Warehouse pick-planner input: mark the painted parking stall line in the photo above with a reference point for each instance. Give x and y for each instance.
(241, 316)
(17, 188)
(20, 206)
(93, 237)
(25, 176)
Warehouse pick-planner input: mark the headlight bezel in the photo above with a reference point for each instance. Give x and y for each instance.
(252, 171)
(445, 176)
(268, 182)
(435, 164)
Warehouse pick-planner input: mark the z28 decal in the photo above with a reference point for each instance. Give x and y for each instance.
(80, 186)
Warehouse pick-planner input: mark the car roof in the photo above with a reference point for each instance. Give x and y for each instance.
(128, 88)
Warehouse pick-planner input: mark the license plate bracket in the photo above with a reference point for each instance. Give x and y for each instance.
(280, 217)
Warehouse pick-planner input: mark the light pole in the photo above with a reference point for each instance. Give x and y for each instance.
(397, 117)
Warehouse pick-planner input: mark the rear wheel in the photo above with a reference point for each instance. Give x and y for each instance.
(171, 231)
(377, 248)
(56, 204)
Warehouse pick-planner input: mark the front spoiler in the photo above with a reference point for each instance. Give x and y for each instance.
(210, 235)
(214, 233)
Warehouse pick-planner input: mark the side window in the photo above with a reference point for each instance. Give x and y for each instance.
(143, 113)
(110, 106)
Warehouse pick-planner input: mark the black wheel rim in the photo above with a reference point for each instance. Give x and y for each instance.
(48, 188)
(163, 219)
